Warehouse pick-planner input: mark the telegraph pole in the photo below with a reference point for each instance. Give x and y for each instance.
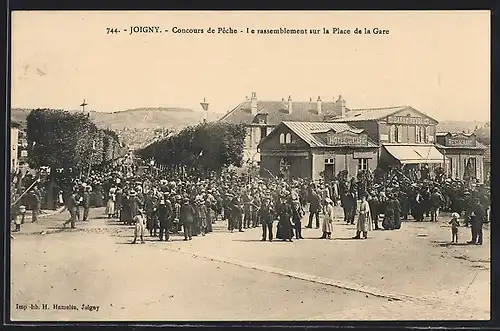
(204, 105)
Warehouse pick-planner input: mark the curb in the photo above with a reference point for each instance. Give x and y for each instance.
(52, 213)
(427, 300)
(28, 220)
(55, 212)
(310, 278)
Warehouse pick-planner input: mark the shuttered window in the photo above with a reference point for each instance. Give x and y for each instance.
(429, 138)
(392, 133)
(399, 133)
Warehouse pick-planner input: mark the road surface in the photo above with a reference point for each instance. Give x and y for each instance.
(410, 274)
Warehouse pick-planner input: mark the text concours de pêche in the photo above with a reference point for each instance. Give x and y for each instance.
(141, 30)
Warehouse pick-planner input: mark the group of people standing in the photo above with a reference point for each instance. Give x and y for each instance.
(168, 204)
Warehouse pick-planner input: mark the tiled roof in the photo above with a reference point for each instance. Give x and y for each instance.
(306, 130)
(442, 134)
(487, 154)
(277, 112)
(370, 114)
(478, 146)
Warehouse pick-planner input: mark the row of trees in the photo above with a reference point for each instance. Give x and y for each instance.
(62, 139)
(205, 147)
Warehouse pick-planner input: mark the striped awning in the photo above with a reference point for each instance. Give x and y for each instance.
(411, 154)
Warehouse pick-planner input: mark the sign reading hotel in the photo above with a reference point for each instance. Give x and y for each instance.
(409, 120)
(342, 139)
(461, 141)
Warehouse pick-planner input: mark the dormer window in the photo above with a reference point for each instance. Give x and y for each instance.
(260, 119)
(282, 138)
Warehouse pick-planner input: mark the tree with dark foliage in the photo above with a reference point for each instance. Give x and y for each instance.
(205, 147)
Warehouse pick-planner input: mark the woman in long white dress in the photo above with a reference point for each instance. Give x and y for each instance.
(110, 205)
(364, 219)
(328, 220)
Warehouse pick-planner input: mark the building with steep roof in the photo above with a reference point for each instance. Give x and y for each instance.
(407, 136)
(316, 150)
(261, 117)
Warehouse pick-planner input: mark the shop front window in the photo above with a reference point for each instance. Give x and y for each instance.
(362, 164)
(470, 168)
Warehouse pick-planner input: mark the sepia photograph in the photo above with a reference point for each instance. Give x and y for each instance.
(181, 166)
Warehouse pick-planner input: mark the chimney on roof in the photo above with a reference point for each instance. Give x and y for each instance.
(253, 103)
(340, 106)
(318, 106)
(290, 104)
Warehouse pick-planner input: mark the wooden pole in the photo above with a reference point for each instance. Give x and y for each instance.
(27, 190)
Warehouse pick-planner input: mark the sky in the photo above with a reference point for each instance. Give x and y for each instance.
(436, 62)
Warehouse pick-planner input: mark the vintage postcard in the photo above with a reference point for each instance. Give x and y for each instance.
(249, 166)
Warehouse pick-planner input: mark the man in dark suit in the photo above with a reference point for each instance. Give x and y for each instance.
(266, 218)
(86, 203)
(314, 208)
(187, 218)
(36, 201)
(477, 219)
(164, 212)
(72, 206)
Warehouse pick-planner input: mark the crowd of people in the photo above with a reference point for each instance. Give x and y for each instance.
(170, 203)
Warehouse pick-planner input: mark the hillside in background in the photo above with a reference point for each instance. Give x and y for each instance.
(137, 127)
(459, 126)
(140, 126)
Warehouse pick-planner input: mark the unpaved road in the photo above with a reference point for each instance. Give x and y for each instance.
(225, 276)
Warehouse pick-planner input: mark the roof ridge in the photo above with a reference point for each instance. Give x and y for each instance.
(295, 101)
(231, 111)
(379, 108)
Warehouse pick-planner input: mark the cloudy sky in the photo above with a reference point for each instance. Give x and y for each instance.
(437, 62)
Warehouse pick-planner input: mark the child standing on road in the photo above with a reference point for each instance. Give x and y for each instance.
(140, 224)
(18, 217)
(454, 227)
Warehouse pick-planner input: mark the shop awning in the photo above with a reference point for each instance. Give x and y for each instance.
(411, 154)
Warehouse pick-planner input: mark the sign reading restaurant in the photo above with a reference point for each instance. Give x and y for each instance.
(461, 141)
(343, 139)
(409, 120)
